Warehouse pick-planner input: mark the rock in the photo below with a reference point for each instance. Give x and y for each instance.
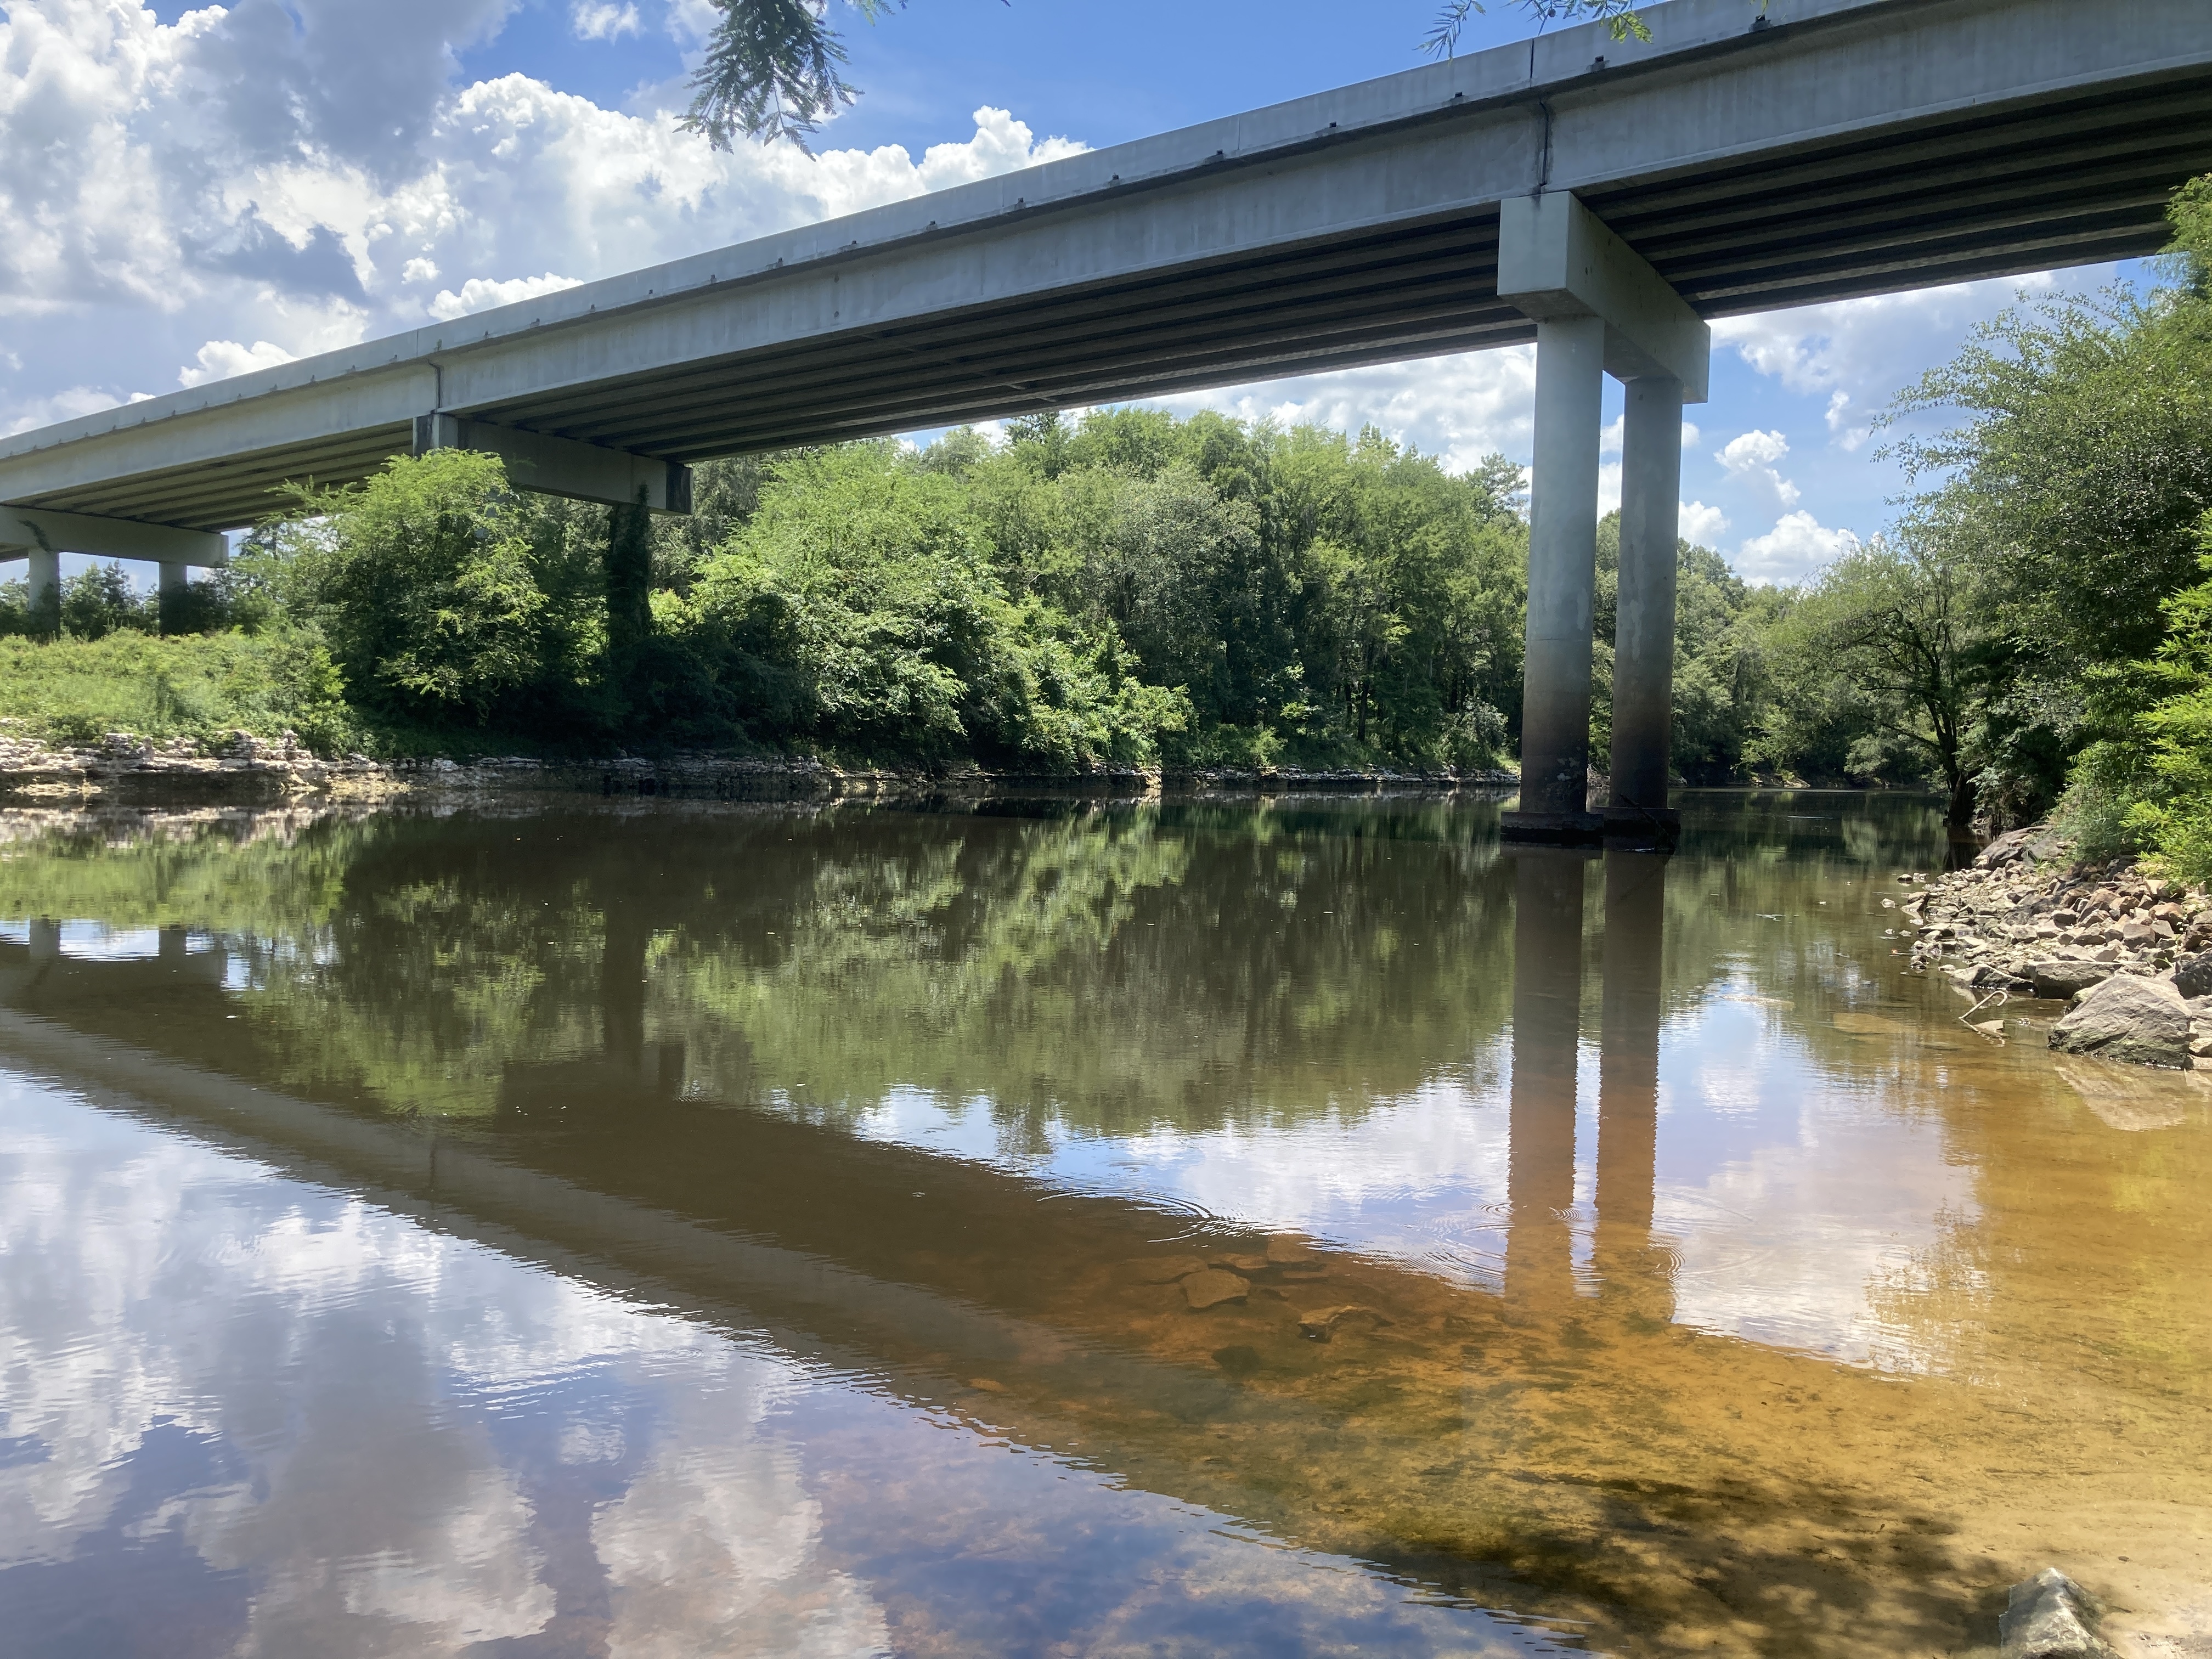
(1321, 1324)
(2142, 1021)
(2007, 848)
(2059, 979)
(1162, 1269)
(2192, 975)
(2052, 1617)
(1211, 1288)
(1289, 1250)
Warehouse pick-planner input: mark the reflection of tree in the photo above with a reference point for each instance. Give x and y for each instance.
(1103, 968)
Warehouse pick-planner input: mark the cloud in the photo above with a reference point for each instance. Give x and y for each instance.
(220, 359)
(483, 293)
(1459, 409)
(1751, 456)
(292, 175)
(1866, 350)
(596, 20)
(1798, 545)
(1702, 525)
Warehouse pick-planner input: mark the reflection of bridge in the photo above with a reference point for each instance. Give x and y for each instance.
(1560, 1452)
(1602, 198)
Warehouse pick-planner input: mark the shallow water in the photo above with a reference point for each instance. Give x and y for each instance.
(684, 1229)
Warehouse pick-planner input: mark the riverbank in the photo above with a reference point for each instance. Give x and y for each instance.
(2027, 920)
(125, 769)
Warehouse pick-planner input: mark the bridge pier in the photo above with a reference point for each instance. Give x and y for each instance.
(46, 590)
(1644, 627)
(172, 595)
(1598, 309)
(1555, 699)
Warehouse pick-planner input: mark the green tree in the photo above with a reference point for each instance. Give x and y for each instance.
(427, 583)
(1901, 621)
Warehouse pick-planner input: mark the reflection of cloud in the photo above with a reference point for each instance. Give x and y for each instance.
(1788, 1243)
(710, 1551)
(347, 1372)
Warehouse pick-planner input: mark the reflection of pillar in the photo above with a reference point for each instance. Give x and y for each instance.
(46, 942)
(1547, 980)
(1643, 633)
(1562, 580)
(622, 987)
(1628, 1080)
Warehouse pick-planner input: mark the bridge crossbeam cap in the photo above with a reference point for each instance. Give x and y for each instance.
(551, 465)
(26, 530)
(1556, 259)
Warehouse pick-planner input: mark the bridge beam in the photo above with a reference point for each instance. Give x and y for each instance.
(27, 530)
(562, 467)
(1599, 308)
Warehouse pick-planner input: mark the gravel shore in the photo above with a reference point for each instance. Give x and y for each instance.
(2027, 921)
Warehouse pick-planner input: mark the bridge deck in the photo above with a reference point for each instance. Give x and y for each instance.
(1842, 148)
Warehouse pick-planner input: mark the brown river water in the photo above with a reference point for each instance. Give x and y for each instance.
(1205, 1228)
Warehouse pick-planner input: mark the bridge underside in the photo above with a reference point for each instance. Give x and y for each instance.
(1993, 192)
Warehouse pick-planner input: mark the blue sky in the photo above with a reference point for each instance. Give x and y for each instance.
(208, 191)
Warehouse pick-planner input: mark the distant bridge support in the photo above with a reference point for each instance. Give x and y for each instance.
(42, 535)
(1598, 309)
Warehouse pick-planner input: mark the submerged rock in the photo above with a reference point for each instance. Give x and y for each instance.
(2052, 1617)
(1321, 1324)
(1162, 1269)
(2142, 1021)
(1212, 1287)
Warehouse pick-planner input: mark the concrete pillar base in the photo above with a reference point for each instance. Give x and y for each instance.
(1643, 828)
(1552, 828)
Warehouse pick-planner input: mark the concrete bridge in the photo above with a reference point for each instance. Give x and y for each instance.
(1602, 198)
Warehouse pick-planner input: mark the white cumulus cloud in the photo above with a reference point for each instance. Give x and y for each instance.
(1798, 545)
(220, 359)
(1702, 525)
(1751, 456)
(1459, 409)
(595, 20)
(483, 293)
(295, 178)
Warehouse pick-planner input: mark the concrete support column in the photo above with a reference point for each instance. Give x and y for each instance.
(1643, 641)
(45, 595)
(174, 580)
(1562, 582)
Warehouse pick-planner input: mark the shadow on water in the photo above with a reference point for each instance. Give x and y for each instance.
(894, 1092)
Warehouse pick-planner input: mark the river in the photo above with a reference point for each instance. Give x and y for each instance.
(1212, 1227)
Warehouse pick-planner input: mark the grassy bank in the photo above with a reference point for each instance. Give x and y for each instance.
(200, 687)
